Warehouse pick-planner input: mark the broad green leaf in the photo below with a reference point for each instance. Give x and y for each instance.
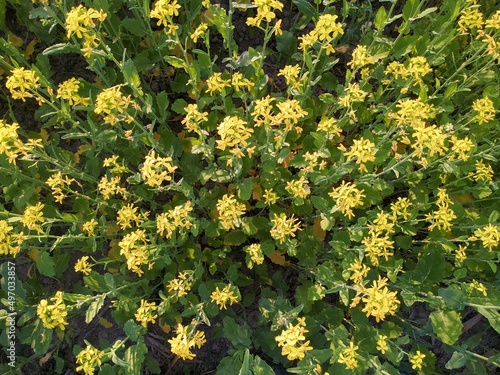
(457, 360)
(410, 9)
(134, 356)
(447, 325)
(94, 308)
(45, 264)
(306, 8)
(132, 330)
(454, 299)
(245, 366)
(260, 367)
(380, 18)
(134, 26)
(238, 335)
(245, 189)
(175, 62)
(130, 74)
(492, 315)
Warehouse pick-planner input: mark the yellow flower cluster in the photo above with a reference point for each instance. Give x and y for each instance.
(238, 82)
(400, 208)
(230, 211)
(89, 226)
(199, 32)
(128, 214)
(291, 73)
(178, 217)
(33, 217)
(284, 227)
(53, 315)
(164, 10)
(476, 285)
(181, 285)
(156, 169)
(88, 359)
(348, 356)
(416, 68)
(484, 171)
(134, 247)
(255, 255)
(10, 144)
(224, 296)
(290, 113)
(378, 243)
(109, 187)
(215, 83)
(461, 147)
(379, 301)
(68, 90)
(22, 83)
(347, 197)
(470, 19)
(352, 94)
(428, 139)
(234, 133)
(57, 182)
(262, 111)
(358, 272)
(417, 360)
(146, 313)
(360, 58)
(82, 265)
(412, 112)
(485, 110)
(113, 105)
(81, 21)
(382, 346)
(292, 340)
(265, 11)
(7, 240)
(298, 188)
(185, 340)
(325, 31)
(444, 215)
(194, 118)
(362, 151)
(329, 125)
(489, 236)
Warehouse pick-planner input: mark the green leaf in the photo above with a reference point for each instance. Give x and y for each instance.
(245, 366)
(260, 367)
(45, 264)
(130, 74)
(492, 316)
(134, 356)
(380, 18)
(447, 325)
(175, 62)
(454, 299)
(238, 335)
(132, 330)
(162, 103)
(245, 189)
(306, 8)
(41, 339)
(134, 27)
(286, 43)
(430, 268)
(179, 105)
(94, 308)
(60, 48)
(410, 9)
(457, 360)
(235, 238)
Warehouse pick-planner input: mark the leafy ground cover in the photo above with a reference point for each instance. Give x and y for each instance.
(258, 187)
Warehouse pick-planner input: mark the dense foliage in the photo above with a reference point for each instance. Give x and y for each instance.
(314, 182)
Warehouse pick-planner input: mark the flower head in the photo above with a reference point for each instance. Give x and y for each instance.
(224, 296)
(88, 359)
(185, 340)
(21, 83)
(146, 313)
(53, 315)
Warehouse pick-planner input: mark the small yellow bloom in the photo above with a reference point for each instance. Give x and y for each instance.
(382, 344)
(146, 313)
(230, 211)
(164, 10)
(33, 217)
(284, 227)
(88, 359)
(485, 110)
(53, 315)
(379, 301)
(255, 254)
(21, 82)
(83, 266)
(185, 340)
(89, 227)
(293, 341)
(347, 197)
(489, 236)
(348, 356)
(224, 296)
(417, 360)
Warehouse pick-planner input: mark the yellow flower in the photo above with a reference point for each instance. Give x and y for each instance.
(53, 315)
(485, 110)
(360, 58)
(470, 19)
(298, 188)
(460, 255)
(412, 111)
(199, 32)
(133, 247)
(358, 271)
(80, 20)
(284, 227)
(178, 217)
(441, 218)
(194, 118)
(291, 75)
(126, 215)
(489, 236)
(88, 359)
(494, 21)
(265, 11)
(270, 197)
(479, 287)
(417, 360)
(292, 340)
(461, 147)
(233, 132)
(230, 211)
(377, 246)
(262, 111)
(352, 94)
(382, 344)
(164, 10)
(484, 172)
(238, 82)
(113, 105)
(400, 208)
(181, 285)
(329, 126)
(146, 313)
(156, 170)
(255, 254)
(89, 227)
(185, 340)
(110, 187)
(348, 356)
(83, 266)
(224, 296)
(362, 150)
(33, 217)
(215, 83)
(57, 182)
(290, 113)
(68, 90)
(347, 197)
(21, 82)
(379, 301)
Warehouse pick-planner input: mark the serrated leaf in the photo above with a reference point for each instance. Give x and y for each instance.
(447, 325)
(94, 308)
